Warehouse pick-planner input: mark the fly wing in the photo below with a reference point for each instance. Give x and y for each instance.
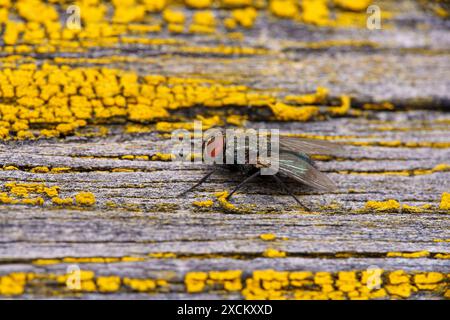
(309, 146)
(293, 166)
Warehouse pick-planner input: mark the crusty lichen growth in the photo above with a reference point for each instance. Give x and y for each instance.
(383, 206)
(203, 204)
(267, 236)
(445, 201)
(419, 254)
(274, 253)
(260, 284)
(85, 199)
(223, 201)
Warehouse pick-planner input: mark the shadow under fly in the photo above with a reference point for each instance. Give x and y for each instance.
(277, 157)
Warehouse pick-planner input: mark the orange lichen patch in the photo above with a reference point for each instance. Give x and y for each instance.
(243, 17)
(403, 290)
(199, 4)
(441, 240)
(319, 97)
(382, 206)
(162, 157)
(80, 98)
(321, 157)
(162, 255)
(203, 22)
(203, 204)
(440, 11)
(12, 284)
(42, 169)
(284, 8)
(274, 253)
(195, 281)
(442, 256)
(415, 209)
(261, 284)
(141, 157)
(419, 254)
(108, 284)
(171, 126)
(24, 191)
(379, 106)
(175, 17)
(85, 199)
(144, 113)
(445, 201)
(236, 120)
(224, 203)
(343, 108)
(123, 170)
(62, 201)
(429, 277)
(353, 5)
(60, 169)
(230, 280)
(315, 12)
(135, 128)
(46, 262)
(267, 236)
(33, 201)
(140, 285)
(284, 112)
(441, 167)
(398, 277)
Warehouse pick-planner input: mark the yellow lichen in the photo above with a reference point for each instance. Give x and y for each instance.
(141, 285)
(162, 157)
(267, 236)
(42, 169)
(224, 203)
(316, 98)
(274, 253)
(108, 284)
(284, 8)
(419, 254)
(354, 5)
(203, 204)
(162, 255)
(284, 112)
(62, 201)
(383, 206)
(85, 199)
(428, 277)
(195, 281)
(445, 201)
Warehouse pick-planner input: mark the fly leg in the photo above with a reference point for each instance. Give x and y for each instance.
(198, 183)
(246, 180)
(280, 182)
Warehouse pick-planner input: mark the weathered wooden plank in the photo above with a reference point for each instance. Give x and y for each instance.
(139, 226)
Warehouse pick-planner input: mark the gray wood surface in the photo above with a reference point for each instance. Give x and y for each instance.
(140, 214)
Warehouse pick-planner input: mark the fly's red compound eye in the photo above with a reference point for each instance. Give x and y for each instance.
(214, 147)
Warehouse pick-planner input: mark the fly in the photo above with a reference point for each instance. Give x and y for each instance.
(294, 161)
